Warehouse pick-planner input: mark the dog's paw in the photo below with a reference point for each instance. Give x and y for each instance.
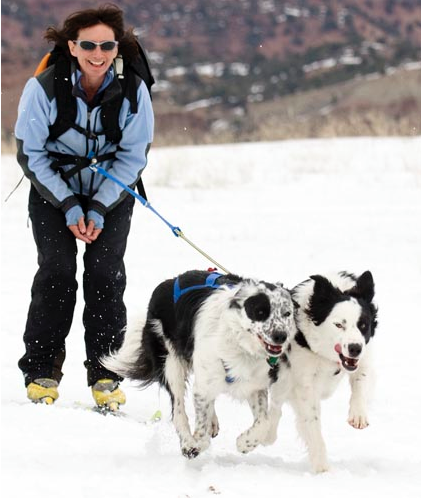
(246, 442)
(190, 447)
(320, 467)
(358, 421)
(318, 459)
(319, 464)
(357, 416)
(190, 452)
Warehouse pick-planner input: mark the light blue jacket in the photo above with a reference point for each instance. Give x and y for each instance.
(37, 111)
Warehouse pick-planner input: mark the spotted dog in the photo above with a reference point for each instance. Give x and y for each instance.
(336, 320)
(231, 332)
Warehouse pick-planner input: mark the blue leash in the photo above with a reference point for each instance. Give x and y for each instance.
(175, 230)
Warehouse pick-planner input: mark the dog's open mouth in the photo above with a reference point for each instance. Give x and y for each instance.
(270, 348)
(349, 364)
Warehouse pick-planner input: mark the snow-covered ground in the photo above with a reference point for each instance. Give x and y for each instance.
(277, 211)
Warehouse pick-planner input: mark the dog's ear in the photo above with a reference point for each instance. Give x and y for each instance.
(324, 288)
(235, 303)
(364, 287)
(294, 302)
(324, 297)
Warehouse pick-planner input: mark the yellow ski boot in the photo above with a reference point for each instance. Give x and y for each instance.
(107, 395)
(43, 391)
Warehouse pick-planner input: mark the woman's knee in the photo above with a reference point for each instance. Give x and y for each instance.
(57, 272)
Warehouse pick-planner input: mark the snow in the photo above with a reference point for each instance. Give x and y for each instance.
(276, 211)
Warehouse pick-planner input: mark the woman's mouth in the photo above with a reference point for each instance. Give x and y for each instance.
(96, 64)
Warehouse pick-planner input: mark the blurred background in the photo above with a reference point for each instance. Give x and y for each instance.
(251, 70)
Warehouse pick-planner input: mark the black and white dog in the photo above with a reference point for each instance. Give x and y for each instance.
(232, 333)
(335, 320)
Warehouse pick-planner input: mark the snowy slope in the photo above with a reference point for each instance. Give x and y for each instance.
(278, 211)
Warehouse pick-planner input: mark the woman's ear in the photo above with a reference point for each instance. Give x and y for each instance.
(71, 46)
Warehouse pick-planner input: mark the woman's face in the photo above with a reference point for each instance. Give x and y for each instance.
(94, 63)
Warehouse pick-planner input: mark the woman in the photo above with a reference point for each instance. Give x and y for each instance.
(69, 202)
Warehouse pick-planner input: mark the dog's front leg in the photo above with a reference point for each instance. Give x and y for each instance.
(279, 392)
(307, 409)
(257, 433)
(361, 383)
(275, 414)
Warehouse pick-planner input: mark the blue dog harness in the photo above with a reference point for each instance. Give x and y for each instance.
(210, 282)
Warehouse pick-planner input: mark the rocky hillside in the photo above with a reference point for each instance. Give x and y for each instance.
(218, 61)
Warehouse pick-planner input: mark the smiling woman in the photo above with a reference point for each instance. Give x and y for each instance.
(94, 61)
(73, 112)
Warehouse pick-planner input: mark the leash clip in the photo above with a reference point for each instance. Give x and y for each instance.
(94, 161)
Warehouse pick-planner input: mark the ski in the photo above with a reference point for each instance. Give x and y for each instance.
(105, 411)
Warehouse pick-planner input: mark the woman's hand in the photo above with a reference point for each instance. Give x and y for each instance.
(91, 232)
(85, 233)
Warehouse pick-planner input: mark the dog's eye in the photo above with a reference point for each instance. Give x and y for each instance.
(339, 325)
(363, 326)
(287, 314)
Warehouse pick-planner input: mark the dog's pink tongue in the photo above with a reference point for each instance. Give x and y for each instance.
(338, 348)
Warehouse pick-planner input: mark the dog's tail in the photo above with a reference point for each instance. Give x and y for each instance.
(142, 355)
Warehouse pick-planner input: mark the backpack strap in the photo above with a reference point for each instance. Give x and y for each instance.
(66, 102)
(110, 113)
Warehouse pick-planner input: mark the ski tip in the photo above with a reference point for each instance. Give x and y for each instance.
(113, 406)
(157, 416)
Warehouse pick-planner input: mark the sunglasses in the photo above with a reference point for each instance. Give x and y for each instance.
(105, 46)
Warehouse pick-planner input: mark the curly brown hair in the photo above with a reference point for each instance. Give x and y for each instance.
(108, 14)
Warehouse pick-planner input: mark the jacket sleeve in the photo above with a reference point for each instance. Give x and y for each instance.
(131, 155)
(35, 113)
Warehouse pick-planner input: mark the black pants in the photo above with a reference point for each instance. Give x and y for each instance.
(54, 291)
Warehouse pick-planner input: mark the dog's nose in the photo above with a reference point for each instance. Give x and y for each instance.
(354, 349)
(279, 337)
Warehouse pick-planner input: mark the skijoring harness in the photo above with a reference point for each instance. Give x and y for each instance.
(210, 282)
(80, 162)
